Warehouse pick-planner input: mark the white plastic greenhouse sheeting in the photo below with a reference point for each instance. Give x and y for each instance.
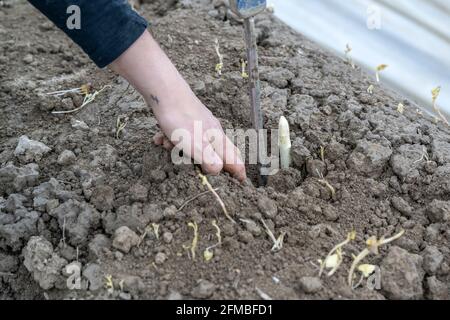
(411, 36)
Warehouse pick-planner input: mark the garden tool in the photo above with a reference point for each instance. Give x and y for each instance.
(247, 10)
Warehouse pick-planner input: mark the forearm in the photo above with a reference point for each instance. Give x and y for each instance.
(113, 34)
(149, 70)
(107, 27)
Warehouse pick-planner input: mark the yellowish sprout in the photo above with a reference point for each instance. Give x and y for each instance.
(347, 51)
(193, 246)
(372, 247)
(425, 156)
(219, 66)
(194, 197)
(88, 98)
(332, 261)
(366, 269)
(121, 283)
(401, 108)
(206, 183)
(335, 257)
(218, 232)
(156, 230)
(121, 123)
(149, 229)
(380, 68)
(322, 153)
(370, 89)
(244, 73)
(277, 242)
(435, 95)
(208, 254)
(84, 90)
(109, 285)
(323, 181)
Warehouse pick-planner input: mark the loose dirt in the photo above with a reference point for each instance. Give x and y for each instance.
(73, 194)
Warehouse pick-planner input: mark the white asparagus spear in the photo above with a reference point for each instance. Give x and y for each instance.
(284, 143)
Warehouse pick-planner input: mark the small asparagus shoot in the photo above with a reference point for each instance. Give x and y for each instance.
(435, 95)
(219, 66)
(284, 142)
(348, 50)
(244, 73)
(206, 183)
(193, 246)
(380, 68)
(277, 242)
(336, 256)
(88, 98)
(208, 254)
(372, 247)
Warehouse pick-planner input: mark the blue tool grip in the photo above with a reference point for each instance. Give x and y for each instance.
(244, 5)
(247, 8)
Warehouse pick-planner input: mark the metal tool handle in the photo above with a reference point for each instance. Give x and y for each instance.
(255, 93)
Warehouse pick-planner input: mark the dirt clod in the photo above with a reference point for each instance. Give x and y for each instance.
(310, 284)
(436, 290)
(117, 205)
(268, 207)
(103, 198)
(439, 211)
(125, 239)
(432, 259)
(406, 269)
(42, 262)
(66, 158)
(203, 290)
(138, 193)
(30, 150)
(95, 276)
(160, 258)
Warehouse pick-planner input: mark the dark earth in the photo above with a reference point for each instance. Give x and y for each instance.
(79, 198)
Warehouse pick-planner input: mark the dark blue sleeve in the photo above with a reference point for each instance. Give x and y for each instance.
(107, 29)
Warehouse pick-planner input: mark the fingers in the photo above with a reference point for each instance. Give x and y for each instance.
(211, 162)
(230, 155)
(161, 140)
(167, 144)
(158, 138)
(201, 151)
(213, 156)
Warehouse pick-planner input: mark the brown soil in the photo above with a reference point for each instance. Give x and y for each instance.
(374, 159)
